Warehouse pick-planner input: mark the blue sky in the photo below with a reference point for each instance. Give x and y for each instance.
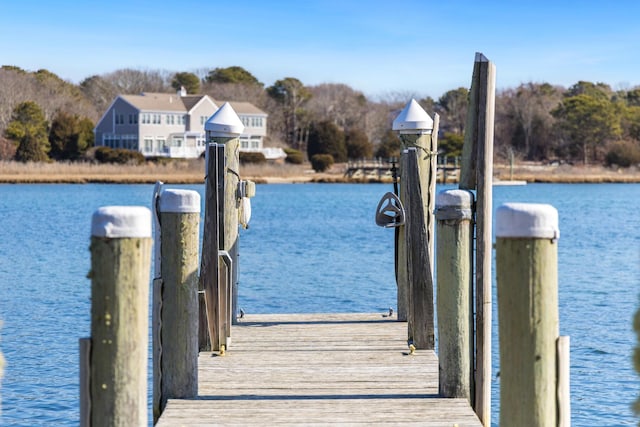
(379, 47)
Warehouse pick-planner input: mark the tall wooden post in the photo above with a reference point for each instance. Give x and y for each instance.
(120, 264)
(476, 173)
(417, 130)
(223, 130)
(454, 213)
(175, 307)
(209, 262)
(420, 317)
(527, 276)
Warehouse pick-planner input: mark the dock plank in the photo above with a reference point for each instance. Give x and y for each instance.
(318, 369)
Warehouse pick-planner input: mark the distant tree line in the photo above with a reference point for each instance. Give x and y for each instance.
(43, 117)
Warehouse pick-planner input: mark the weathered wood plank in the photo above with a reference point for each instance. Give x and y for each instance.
(318, 370)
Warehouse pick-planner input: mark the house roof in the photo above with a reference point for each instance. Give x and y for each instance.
(150, 101)
(243, 108)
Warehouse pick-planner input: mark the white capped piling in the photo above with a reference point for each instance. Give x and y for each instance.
(420, 316)
(120, 263)
(223, 130)
(454, 215)
(416, 129)
(527, 277)
(175, 306)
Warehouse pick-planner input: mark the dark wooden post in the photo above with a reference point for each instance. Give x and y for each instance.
(417, 130)
(477, 174)
(454, 213)
(419, 277)
(175, 306)
(120, 264)
(527, 276)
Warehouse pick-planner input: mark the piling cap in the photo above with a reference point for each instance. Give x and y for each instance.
(179, 201)
(121, 222)
(454, 198)
(224, 122)
(413, 119)
(527, 220)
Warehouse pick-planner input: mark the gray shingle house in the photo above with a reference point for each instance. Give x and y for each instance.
(172, 124)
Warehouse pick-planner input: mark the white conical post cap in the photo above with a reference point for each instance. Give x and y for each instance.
(224, 122)
(413, 119)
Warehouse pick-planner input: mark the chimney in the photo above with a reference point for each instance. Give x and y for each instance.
(182, 91)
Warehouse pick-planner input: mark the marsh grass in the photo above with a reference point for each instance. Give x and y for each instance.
(192, 172)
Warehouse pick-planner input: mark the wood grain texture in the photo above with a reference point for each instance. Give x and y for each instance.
(421, 328)
(455, 307)
(484, 201)
(177, 374)
(527, 276)
(318, 369)
(119, 330)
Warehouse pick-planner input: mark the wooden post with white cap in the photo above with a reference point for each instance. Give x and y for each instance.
(223, 130)
(527, 277)
(120, 264)
(420, 319)
(175, 306)
(417, 129)
(454, 214)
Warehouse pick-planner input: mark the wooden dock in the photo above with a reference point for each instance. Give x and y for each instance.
(318, 369)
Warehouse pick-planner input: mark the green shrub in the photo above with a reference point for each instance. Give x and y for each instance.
(623, 153)
(252, 157)
(120, 155)
(321, 162)
(294, 156)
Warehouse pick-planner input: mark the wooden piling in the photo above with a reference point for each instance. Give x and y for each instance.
(120, 264)
(209, 261)
(416, 129)
(85, 382)
(454, 215)
(527, 277)
(476, 173)
(224, 129)
(564, 389)
(420, 315)
(175, 322)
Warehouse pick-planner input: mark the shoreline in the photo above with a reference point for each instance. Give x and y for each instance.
(192, 172)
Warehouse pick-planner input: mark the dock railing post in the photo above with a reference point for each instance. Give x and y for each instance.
(527, 277)
(454, 215)
(175, 303)
(120, 263)
(223, 130)
(417, 129)
(420, 317)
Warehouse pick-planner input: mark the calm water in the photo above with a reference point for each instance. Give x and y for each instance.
(310, 248)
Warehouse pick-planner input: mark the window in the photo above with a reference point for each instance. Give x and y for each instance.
(244, 143)
(176, 141)
(148, 145)
(133, 119)
(161, 143)
(119, 119)
(255, 144)
(156, 119)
